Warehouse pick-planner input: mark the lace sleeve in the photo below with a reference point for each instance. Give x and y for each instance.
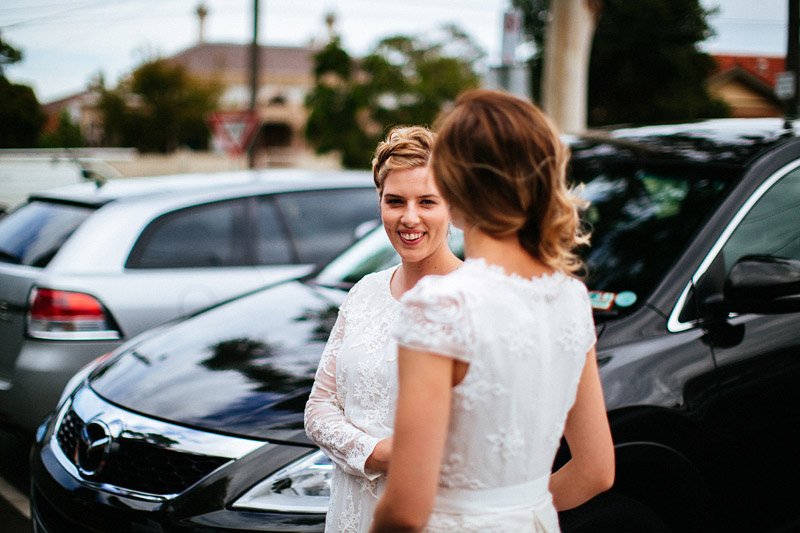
(325, 421)
(434, 319)
(577, 332)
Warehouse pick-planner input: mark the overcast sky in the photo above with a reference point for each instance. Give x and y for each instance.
(66, 42)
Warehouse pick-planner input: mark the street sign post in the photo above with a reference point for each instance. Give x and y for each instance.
(784, 85)
(234, 130)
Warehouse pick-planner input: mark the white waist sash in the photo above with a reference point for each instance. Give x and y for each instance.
(532, 494)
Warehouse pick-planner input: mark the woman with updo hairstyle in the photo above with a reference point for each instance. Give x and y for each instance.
(350, 411)
(496, 359)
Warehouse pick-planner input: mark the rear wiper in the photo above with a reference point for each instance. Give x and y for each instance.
(8, 257)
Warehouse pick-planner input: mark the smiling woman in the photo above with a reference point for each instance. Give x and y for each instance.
(350, 410)
(414, 215)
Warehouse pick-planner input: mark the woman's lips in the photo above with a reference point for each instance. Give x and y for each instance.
(411, 237)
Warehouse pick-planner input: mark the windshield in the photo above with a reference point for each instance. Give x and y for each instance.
(372, 253)
(641, 216)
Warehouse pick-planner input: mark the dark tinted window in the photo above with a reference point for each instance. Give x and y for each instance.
(33, 234)
(322, 223)
(642, 217)
(210, 235)
(272, 246)
(771, 227)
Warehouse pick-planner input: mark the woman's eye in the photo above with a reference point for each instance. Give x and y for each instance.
(428, 202)
(393, 201)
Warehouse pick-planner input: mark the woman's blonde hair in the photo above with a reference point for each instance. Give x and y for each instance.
(404, 147)
(499, 162)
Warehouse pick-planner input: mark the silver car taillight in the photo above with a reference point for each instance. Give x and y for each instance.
(68, 315)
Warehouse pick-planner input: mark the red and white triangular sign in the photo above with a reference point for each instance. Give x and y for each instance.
(234, 130)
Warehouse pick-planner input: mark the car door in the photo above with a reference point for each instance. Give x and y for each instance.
(755, 417)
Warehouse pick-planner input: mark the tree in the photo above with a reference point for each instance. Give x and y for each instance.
(158, 109)
(21, 115)
(566, 66)
(8, 55)
(403, 80)
(67, 134)
(645, 65)
(334, 105)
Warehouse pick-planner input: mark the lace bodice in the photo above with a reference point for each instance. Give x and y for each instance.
(351, 406)
(526, 342)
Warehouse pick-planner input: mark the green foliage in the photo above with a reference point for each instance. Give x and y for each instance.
(67, 134)
(21, 116)
(158, 109)
(645, 65)
(8, 54)
(334, 104)
(403, 80)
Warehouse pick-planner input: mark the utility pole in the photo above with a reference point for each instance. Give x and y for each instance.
(793, 57)
(254, 64)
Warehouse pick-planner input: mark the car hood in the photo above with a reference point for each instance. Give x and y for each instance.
(243, 368)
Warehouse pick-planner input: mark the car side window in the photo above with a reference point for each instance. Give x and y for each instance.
(771, 227)
(272, 246)
(322, 223)
(209, 235)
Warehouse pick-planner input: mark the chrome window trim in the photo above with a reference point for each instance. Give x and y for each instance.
(102, 335)
(673, 324)
(88, 405)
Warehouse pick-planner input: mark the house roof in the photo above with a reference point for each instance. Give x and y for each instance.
(209, 58)
(763, 67)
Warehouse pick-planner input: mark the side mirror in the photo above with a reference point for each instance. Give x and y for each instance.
(763, 284)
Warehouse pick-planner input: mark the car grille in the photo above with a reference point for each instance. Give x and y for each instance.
(140, 465)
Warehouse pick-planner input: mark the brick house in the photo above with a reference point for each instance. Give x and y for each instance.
(747, 84)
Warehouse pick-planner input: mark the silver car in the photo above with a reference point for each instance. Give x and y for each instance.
(82, 268)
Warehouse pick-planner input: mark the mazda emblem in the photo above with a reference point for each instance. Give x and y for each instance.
(92, 448)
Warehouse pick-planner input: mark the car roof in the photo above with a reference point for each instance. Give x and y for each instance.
(734, 142)
(233, 183)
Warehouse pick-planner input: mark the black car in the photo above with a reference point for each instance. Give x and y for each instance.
(694, 274)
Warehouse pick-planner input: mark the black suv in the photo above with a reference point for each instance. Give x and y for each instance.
(694, 274)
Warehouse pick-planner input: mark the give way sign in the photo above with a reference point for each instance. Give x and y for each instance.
(234, 130)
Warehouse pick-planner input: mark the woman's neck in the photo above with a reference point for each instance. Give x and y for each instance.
(506, 252)
(408, 274)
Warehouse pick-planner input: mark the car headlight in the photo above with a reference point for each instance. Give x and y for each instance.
(303, 486)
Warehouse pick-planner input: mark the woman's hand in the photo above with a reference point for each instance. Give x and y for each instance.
(379, 458)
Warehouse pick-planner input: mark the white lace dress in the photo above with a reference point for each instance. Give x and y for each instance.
(526, 343)
(351, 406)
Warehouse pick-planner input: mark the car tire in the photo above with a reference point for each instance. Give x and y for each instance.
(611, 512)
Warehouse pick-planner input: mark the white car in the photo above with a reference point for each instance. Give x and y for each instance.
(83, 268)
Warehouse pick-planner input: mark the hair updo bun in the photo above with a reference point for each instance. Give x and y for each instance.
(404, 147)
(499, 162)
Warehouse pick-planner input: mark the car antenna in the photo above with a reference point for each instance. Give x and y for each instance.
(87, 173)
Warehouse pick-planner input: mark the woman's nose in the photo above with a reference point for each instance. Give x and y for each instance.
(410, 216)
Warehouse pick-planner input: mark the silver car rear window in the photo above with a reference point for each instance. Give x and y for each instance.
(32, 234)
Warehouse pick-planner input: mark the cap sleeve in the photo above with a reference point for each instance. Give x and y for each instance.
(434, 318)
(578, 331)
